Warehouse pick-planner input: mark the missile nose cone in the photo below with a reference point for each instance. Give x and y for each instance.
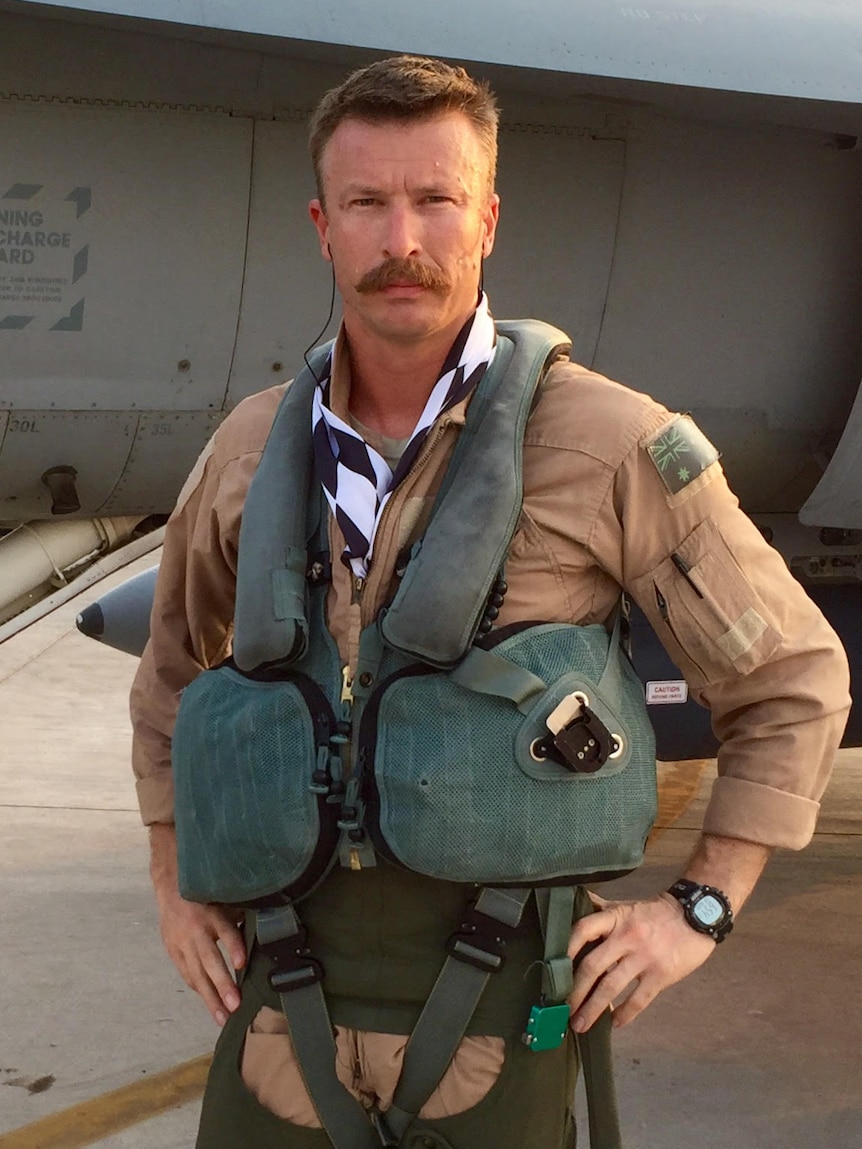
(91, 621)
(121, 617)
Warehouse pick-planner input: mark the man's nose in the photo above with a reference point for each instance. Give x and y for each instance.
(401, 239)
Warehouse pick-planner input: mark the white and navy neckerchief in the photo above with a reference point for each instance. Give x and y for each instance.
(356, 479)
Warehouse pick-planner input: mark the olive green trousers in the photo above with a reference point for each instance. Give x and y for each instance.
(381, 935)
(529, 1106)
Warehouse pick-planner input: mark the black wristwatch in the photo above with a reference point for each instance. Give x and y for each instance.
(707, 909)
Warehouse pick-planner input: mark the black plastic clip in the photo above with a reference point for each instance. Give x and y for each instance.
(350, 818)
(578, 738)
(293, 964)
(480, 941)
(319, 569)
(585, 743)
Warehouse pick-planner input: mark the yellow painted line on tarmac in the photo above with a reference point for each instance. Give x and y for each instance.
(103, 1116)
(678, 785)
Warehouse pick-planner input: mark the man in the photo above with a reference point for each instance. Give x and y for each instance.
(404, 154)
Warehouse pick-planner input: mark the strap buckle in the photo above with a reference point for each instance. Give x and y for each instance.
(319, 570)
(578, 738)
(294, 967)
(480, 941)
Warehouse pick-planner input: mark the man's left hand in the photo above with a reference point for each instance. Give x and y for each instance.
(643, 946)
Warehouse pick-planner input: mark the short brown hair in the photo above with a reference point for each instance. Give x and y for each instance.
(405, 88)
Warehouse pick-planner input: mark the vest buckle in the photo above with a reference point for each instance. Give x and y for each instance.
(480, 941)
(319, 571)
(294, 967)
(579, 740)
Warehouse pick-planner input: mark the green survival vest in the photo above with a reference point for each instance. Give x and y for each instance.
(453, 770)
(506, 759)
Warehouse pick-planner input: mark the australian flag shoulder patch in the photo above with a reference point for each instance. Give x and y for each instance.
(680, 452)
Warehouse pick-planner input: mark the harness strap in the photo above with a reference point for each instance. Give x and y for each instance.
(602, 1112)
(594, 1047)
(486, 672)
(474, 954)
(296, 979)
(450, 1005)
(556, 906)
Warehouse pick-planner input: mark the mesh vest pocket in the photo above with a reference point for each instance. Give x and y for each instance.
(244, 751)
(458, 796)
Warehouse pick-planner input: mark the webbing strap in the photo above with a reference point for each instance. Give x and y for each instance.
(602, 1111)
(345, 1121)
(556, 912)
(558, 908)
(594, 1047)
(439, 1030)
(446, 1015)
(485, 672)
(611, 681)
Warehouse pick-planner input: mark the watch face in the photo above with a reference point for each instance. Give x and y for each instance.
(708, 910)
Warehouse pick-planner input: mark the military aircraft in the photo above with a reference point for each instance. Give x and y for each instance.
(681, 187)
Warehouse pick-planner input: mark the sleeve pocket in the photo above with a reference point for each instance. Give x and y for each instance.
(705, 611)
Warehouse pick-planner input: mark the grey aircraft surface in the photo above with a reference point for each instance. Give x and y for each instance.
(682, 193)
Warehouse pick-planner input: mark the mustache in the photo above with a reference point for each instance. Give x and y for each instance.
(411, 271)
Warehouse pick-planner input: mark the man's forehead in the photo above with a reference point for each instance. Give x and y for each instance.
(446, 141)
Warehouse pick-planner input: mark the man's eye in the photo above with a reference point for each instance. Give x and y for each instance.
(438, 199)
(364, 201)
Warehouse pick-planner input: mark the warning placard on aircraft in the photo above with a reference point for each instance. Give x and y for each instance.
(665, 693)
(44, 256)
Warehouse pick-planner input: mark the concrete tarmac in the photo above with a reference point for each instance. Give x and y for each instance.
(760, 1049)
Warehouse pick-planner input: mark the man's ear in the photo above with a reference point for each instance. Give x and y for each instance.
(321, 226)
(490, 219)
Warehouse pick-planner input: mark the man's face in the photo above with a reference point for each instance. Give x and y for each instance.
(407, 220)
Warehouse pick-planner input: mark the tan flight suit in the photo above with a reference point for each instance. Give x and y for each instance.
(597, 515)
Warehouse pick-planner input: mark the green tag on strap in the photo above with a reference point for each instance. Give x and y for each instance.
(546, 1027)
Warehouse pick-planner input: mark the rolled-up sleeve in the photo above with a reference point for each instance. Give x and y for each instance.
(752, 645)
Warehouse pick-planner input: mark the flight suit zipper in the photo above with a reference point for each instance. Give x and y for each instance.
(346, 691)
